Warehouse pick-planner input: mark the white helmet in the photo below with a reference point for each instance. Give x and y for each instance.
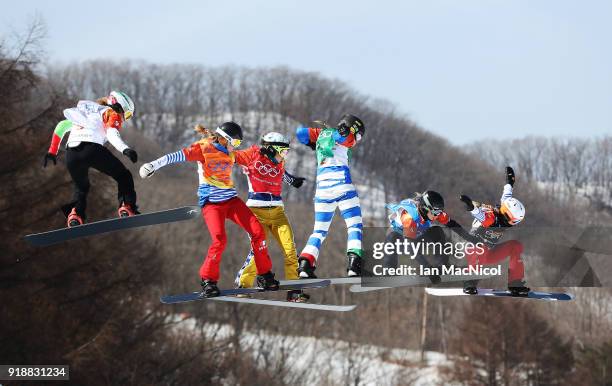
(274, 138)
(513, 209)
(126, 103)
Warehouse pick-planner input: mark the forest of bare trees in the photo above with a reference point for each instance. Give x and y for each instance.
(568, 169)
(93, 303)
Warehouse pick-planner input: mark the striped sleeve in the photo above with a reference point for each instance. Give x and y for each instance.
(177, 156)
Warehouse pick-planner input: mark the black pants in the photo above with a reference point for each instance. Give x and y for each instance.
(92, 155)
(435, 234)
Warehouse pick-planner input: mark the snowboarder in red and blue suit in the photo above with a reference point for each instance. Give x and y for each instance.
(488, 227)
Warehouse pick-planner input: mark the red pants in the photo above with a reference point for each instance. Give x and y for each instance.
(234, 209)
(510, 248)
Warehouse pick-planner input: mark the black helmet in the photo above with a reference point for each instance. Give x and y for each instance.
(349, 122)
(431, 201)
(230, 131)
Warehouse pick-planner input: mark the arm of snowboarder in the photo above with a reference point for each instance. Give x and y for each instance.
(243, 157)
(409, 227)
(308, 136)
(486, 218)
(58, 134)
(510, 178)
(148, 169)
(115, 139)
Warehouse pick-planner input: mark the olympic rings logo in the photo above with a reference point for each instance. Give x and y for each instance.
(266, 170)
(218, 166)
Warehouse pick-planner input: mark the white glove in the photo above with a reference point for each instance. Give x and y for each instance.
(147, 170)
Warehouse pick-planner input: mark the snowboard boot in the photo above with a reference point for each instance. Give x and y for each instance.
(210, 289)
(127, 210)
(469, 287)
(354, 265)
(305, 270)
(74, 219)
(517, 288)
(267, 282)
(297, 296)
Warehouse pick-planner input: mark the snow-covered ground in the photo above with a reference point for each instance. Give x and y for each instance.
(327, 361)
(581, 194)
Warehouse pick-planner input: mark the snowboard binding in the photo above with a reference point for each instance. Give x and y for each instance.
(517, 288)
(354, 264)
(209, 289)
(305, 269)
(267, 282)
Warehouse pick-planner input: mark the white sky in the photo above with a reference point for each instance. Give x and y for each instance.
(465, 70)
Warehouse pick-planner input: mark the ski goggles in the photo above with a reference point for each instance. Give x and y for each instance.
(435, 211)
(282, 150)
(355, 131)
(234, 142)
(508, 215)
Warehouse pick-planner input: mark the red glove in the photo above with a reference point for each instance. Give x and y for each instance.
(443, 218)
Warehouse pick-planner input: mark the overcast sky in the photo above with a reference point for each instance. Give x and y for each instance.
(466, 70)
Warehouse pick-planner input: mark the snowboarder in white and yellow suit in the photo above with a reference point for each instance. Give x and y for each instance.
(264, 166)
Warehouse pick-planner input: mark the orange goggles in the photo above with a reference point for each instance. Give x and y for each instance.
(511, 219)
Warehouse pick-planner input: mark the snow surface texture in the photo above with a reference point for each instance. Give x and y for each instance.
(327, 361)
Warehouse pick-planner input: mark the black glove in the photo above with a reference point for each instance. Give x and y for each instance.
(312, 145)
(269, 152)
(48, 157)
(131, 154)
(469, 205)
(296, 182)
(510, 176)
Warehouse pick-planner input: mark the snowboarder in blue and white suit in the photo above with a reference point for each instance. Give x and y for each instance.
(335, 189)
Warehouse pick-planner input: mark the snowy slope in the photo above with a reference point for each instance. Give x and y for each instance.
(328, 361)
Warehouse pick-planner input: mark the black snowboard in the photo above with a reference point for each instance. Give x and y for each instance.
(115, 224)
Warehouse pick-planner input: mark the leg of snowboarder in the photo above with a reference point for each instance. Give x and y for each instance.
(92, 155)
(334, 189)
(488, 227)
(218, 199)
(264, 166)
(91, 125)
